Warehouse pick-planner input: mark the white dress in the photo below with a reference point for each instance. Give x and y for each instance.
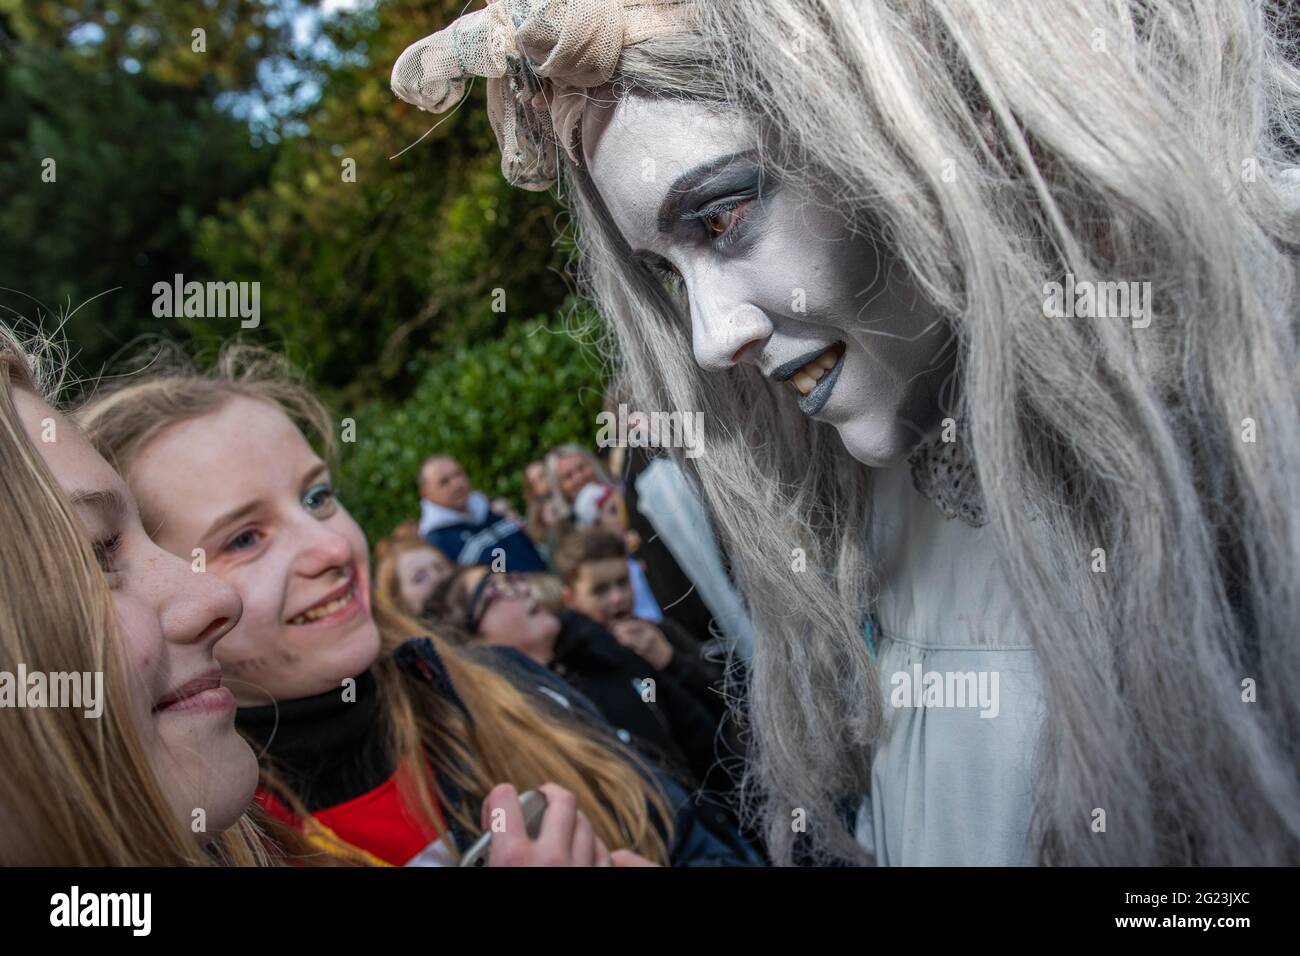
(949, 786)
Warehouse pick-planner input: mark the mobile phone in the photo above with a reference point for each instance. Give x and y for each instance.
(533, 804)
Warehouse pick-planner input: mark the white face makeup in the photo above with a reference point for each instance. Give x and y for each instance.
(171, 623)
(772, 273)
(243, 484)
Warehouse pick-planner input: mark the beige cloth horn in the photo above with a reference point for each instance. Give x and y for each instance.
(539, 57)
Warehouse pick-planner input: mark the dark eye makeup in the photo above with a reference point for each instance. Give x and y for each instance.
(718, 210)
(722, 220)
(664, 271)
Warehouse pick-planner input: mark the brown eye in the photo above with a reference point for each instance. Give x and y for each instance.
(718, 222)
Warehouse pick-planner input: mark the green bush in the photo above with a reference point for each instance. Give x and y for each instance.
(495, 406)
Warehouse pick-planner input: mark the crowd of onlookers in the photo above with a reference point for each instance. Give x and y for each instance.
(574, 586)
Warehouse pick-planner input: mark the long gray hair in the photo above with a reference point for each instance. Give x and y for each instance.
(994, 148)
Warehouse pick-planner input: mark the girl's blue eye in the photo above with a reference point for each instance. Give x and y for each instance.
(242, 541)
(319, 498)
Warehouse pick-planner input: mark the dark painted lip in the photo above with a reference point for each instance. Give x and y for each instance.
(816, 400)
(783, 373)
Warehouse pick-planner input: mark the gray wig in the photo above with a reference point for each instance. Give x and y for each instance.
(993, 148)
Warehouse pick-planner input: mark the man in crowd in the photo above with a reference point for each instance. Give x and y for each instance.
(458, 521)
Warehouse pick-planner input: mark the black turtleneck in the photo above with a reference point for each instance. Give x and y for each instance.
(327, 749)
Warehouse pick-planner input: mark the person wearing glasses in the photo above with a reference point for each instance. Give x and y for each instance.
(646, 707)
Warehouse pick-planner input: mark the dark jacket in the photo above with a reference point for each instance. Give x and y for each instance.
(701, 837)
(664, 721)
(674, 591)
(473, 536)
(697, 674)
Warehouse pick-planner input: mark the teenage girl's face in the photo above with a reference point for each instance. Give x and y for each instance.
(770, 272)
(419, 572)
(243, 485)
(171, 622)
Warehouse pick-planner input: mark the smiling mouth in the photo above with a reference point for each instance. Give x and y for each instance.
(326, 608)
(194, 693)
(813, 376)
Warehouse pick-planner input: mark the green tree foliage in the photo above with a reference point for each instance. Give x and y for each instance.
(368, 279)
(495, 406)
(137, 163)
(412, 285)
(156, 37)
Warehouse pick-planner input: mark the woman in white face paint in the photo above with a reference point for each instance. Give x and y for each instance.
(991, 312)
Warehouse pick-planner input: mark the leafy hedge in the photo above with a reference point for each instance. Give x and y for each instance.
(495, 406)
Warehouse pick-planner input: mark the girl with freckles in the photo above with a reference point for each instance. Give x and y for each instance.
(378, 745)
(829, 225)
(158, 776)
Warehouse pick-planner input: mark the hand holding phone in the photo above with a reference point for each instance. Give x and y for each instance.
(544, 827)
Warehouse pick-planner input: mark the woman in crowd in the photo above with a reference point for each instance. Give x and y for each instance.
(569, 468)
(407, 570)
(146, 769)
(991, 311)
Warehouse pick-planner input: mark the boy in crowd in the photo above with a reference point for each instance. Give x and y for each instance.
(593, 564)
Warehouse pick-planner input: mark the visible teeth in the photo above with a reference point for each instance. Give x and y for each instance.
(321, 610)
(806, 379)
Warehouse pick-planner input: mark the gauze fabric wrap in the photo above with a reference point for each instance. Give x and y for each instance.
(539, 57)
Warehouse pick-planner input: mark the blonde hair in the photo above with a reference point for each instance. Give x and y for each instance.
(548, 591)
(506, 738)
(75, 791)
